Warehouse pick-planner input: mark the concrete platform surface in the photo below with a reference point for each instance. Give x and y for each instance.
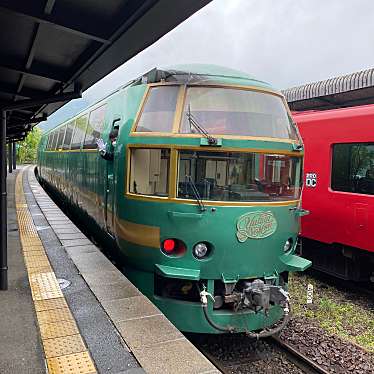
(105, 345)
(122, 330)
(20, 345)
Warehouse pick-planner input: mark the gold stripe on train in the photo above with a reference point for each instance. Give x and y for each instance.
(147, 236)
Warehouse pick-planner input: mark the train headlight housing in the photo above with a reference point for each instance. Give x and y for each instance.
(288, 245)
(200, 250)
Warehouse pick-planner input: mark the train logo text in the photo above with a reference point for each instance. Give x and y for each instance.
(255, 225)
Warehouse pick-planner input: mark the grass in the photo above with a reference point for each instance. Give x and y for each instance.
(333, 311)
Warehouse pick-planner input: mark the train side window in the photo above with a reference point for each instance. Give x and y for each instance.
(353, 168)
(60, 138)
(50, 137)
(79, 131)
(149, 171)
(95, 127)
(44, 143)
(50, 143)
(159, 110)
(54, 140)
(68, 135)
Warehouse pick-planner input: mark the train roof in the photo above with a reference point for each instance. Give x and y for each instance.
(321, 115)
(185, 74)
(200, 74)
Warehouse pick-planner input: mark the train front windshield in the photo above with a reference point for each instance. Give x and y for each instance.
(236, 176)
(230, 111)
(211, 174)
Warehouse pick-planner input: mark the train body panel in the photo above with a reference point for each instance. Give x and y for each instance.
(338, 190)
(169, 190)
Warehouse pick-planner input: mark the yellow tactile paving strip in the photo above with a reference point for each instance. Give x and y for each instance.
(64, 348)
(56, 329)
(74, 363)
(50, 304)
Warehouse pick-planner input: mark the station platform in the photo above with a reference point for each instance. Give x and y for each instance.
(68, 309)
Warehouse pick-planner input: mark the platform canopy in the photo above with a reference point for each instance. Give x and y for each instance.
(347, 90)
(50, 47)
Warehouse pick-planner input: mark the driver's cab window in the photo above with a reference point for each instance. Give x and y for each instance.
(159, 110)
(149, 171)
(237, 176)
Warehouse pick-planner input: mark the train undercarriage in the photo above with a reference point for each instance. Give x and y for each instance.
(339, 260)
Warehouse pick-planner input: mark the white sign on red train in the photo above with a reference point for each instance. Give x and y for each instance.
(311, 180)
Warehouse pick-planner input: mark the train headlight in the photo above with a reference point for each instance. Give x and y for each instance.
(288, 245)
(200, 250)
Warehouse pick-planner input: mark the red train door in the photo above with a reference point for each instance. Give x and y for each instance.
(361, 224)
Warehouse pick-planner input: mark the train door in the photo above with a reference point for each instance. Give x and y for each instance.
(110, 182)
(353, 180)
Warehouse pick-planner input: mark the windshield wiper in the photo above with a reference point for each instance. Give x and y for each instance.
(196, 193)
(202, 130)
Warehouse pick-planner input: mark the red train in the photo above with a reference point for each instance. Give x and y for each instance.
(338, 234)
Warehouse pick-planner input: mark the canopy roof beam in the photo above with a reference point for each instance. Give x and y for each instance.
(40, 71)
(26, 93)
(47, 10)
(47, 19)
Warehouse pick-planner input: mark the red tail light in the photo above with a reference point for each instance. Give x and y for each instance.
(173, 247)
(169, 245)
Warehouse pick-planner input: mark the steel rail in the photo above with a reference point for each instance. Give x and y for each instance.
(292, 355)
(297, 358)
(215, 361)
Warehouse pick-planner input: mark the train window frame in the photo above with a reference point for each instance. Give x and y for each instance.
(145, 100)
(54, 140)
(293, 164)
(60, 131)
(175, 132)
(70, 124)
(130, 190)
(50, 138)
(360, 184)
(52, 134)
(260, 90)
(92, 145)
(84, 117)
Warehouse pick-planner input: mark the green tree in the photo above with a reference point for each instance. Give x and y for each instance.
(27, 149)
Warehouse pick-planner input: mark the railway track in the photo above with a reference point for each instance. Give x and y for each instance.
(216, 362)
(297, 358)
(291, 354)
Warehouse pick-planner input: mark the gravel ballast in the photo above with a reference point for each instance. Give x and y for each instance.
(238, 354)
(336, 330)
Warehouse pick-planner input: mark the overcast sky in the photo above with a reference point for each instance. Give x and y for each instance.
(284, 42)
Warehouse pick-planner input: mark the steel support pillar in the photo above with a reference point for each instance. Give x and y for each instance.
(14, 155)
(10, 154)
(3, 206)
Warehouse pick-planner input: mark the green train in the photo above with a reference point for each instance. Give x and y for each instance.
(197, 189)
